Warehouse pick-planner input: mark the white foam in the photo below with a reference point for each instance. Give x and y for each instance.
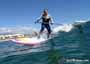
(65, 27)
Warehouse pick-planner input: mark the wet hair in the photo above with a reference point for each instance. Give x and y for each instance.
(45, 12)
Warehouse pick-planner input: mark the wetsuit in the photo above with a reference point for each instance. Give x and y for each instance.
(45, 23)
(46, 20)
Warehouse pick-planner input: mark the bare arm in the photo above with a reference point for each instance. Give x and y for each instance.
(51, 20)
(38, 20)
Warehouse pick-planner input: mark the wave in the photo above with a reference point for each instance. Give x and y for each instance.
(72, 43)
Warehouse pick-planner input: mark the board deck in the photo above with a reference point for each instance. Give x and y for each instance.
(30, 41)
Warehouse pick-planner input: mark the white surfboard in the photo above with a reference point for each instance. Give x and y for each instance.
(29, 41)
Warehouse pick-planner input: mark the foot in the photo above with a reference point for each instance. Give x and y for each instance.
(48, 35)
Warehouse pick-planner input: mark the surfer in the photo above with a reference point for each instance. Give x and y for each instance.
(45, 23)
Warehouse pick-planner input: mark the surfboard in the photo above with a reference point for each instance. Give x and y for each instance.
(29, 41)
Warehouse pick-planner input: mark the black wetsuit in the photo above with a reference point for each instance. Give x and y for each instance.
(46, 24)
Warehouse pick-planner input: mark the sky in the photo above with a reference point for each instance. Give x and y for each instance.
(25, 12)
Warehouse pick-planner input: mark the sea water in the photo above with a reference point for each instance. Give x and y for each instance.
(73, 47)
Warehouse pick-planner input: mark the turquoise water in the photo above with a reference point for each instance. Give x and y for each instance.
(66, 48)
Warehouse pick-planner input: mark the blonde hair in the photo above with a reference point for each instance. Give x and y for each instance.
(45, 12)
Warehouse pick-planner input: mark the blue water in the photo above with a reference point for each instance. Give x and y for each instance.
(71, 47)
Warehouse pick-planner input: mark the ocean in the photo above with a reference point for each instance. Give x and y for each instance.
(71, 47)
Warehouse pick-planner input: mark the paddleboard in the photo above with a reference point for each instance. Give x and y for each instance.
(29, 41)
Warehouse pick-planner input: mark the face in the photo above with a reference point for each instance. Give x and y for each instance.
(45, 12)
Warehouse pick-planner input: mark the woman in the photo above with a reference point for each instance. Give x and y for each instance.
(45, 23)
